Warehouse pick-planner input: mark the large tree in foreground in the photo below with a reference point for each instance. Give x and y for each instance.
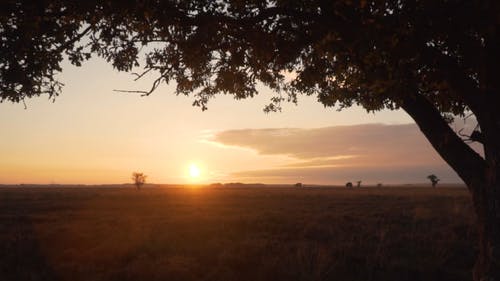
(431, 58)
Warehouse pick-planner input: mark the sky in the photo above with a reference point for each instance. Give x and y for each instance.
(94, 135)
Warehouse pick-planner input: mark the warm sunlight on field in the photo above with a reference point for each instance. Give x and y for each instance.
(245, 234)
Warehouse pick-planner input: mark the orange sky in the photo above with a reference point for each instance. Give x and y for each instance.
(92, 135)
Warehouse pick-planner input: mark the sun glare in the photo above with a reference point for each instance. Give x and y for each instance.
(194, 171)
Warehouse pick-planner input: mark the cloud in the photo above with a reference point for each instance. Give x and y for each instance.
(397, 153)
(368, 144)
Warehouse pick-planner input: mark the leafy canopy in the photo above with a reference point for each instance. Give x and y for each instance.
(371, 53)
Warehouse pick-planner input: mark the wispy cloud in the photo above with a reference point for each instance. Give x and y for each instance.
(369, 144)
(378, 152)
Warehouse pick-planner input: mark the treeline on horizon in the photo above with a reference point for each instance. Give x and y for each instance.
(222, 185)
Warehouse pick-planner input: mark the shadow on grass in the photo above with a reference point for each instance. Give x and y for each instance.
(21, 257)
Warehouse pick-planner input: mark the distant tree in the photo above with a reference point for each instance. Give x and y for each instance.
(358, 183)
(139, 179)
(348, 185)
(434, 179)
(299, 184)
(430, 58)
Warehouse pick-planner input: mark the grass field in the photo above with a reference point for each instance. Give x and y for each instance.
(236, 234)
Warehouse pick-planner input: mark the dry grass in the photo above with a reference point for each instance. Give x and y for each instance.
(235, 234)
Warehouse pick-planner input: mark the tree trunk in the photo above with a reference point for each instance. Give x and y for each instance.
(487, 206)
(487, 198)
(487, 202)
(482, 176)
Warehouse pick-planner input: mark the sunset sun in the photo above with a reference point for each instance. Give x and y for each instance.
(194, 171)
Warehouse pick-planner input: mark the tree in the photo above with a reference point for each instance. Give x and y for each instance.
(434, 179)
(431, 58)
(358, 183)
(139, 179)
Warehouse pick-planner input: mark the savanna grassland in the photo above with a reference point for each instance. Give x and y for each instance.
(239, 234)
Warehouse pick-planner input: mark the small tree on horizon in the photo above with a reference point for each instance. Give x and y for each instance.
(139, 179)
(434, 179)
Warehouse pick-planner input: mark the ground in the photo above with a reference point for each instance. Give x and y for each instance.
(236, 233)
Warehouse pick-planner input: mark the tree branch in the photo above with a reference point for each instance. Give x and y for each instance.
(460, 83)
(469, 165)
(155, 85)
(74, 39)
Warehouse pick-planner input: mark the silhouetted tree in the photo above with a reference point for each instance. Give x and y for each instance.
(348, 185)
(434, 179)
(139, 179)
(358, 183)
(299, 184)
(431, 58)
